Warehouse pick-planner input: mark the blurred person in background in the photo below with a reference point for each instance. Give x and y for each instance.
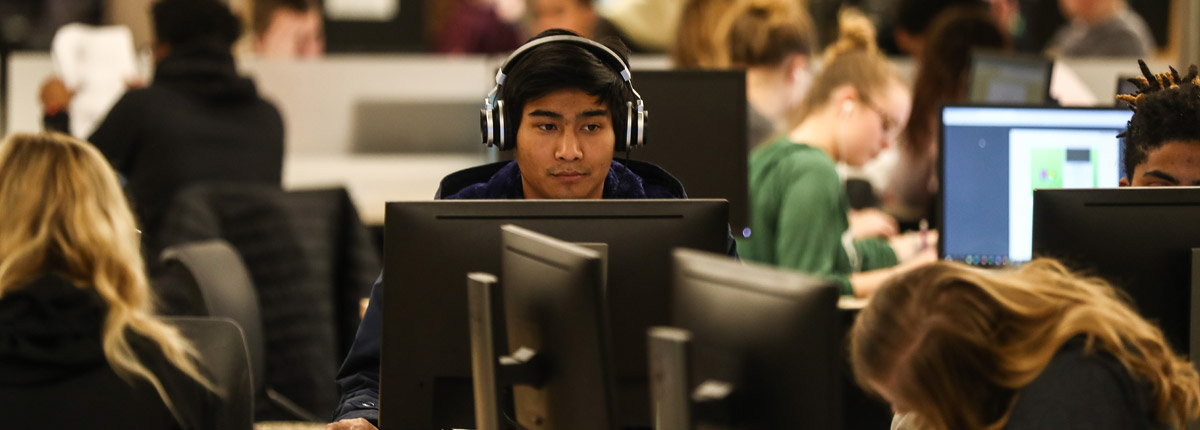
(479, 26)
(288, 29)
(942, 77)
(799, 208)
(915, 18)
(696, 46)
(773, 41)
(198, 121)
(579, 16)
(1101, 28)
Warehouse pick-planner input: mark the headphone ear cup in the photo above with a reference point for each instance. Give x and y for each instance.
(485, 127)
(499, 128)
(643, 127)
(635, 134)
(622, 142)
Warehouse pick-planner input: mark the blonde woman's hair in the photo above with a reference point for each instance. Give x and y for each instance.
(759, 33)
(852, 60)
(64, 213)
(958, 344)
(695, 45)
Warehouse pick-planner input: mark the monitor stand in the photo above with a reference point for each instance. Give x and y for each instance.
(670, 406)
(481, 287)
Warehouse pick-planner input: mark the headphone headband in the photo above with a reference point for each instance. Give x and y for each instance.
(502, 74)
(492, 121)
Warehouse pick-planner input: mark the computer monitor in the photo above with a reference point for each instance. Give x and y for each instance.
(1012, 79)
(764, 348)
(554, 306)
(1139, 239)
(430, 246)
(992, 158)
(698, 133)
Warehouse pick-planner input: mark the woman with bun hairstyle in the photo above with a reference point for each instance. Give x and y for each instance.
(854, 109)
(953, 347)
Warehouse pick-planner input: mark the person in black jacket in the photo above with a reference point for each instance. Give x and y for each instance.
(956, 347)
(198, 121)
(79, 347)
(569, 110)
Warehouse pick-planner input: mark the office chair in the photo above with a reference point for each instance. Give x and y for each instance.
(223, 351)
(216, 272)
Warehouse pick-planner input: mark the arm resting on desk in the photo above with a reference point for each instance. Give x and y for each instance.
(358, 379)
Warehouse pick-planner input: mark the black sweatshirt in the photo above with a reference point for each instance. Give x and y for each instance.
(54, 374)
(198, 122)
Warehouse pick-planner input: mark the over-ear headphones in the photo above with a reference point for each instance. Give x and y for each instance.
(495, 127)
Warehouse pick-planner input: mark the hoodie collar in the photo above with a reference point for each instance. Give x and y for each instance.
(50, 329)
(621, 182)
(206, 70)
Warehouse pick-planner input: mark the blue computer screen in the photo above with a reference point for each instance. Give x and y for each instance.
(994, 157)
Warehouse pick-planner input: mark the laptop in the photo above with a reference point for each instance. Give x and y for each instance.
(991, 159)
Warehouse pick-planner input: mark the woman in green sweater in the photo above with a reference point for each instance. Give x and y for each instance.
(853, 111)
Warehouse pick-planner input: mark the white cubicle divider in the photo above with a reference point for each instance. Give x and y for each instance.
(321, 102)
(318, 98)
(1100, 75)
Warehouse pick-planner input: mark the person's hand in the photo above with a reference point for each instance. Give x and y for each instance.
(54, 95)
(872, 222)
(914, 244)
(351, 424)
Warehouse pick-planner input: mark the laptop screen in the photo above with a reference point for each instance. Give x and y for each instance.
(992, 158)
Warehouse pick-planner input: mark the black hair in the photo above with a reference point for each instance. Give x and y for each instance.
(1166, 107)
(558, 66)
(915, 16)
(182, 23)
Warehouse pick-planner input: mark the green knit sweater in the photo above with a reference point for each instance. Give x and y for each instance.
(798, 216)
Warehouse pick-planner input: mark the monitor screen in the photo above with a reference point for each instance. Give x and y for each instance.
(430, 247)
(1139, 239)
(992, 158)
(998, 78)
(773, 335)
(554, 306)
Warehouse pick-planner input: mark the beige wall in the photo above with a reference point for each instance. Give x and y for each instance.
(136, 15)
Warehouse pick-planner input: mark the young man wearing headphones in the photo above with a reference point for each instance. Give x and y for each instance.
(565, 105)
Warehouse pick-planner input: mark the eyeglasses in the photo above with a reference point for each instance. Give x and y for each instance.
(891, 126)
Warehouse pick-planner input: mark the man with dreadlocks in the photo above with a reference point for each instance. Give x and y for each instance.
(1162, 141)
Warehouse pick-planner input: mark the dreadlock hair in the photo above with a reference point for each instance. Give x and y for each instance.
(1166, 107)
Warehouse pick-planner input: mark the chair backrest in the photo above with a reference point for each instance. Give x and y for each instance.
(310, 262)
(227, 291)
(222, 348)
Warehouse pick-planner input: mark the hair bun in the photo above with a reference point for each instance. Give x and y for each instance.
(855, 33)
